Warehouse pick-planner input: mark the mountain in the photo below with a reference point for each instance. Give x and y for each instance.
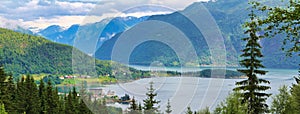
(110, 27)
(228, 14)
(22, 53)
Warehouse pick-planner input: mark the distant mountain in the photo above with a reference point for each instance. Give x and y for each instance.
(229, 15)
(114, 26)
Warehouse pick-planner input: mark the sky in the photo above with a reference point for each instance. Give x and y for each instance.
(39, 14)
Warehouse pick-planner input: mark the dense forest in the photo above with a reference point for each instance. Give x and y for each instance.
(25, 96)
(27, 54)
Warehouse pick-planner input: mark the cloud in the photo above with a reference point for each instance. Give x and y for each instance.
(10, 24)
(39, 14)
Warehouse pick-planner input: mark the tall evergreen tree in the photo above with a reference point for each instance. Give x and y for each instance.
(150, 101)
(140, 108)
(3, 86)
(75, 100)
(43, 97)
(10, 106)
(252, 91)
(21, 96)
(133, 105)
(52, 99)
(168, 110)
(31, 96)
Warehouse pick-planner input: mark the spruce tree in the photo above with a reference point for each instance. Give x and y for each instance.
(20, 96)
(3, 86)
(10, 106)
(133, 105)
(52, 99)
(168, 110)
(140, 108)
(253, 92)
(150, 101)
(42, 96)
(31, 96)
(75, 100)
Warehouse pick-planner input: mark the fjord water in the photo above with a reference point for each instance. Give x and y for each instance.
(195, 92)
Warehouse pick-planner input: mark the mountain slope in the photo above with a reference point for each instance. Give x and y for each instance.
(22, 53)
(229, 15)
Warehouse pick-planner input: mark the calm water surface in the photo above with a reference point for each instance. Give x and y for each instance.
(195, 92)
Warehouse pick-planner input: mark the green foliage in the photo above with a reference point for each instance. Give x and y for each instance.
(27, 54)
(53, 79)
(134, 107)
(253, 93)
(204, 111)
(150, 101)
(295, 95)
(284, 20)
(107, 80)
(282, 103)
(232, 105)
(2, 109)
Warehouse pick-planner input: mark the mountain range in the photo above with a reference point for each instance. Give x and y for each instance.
(111, 27)
(228, 14)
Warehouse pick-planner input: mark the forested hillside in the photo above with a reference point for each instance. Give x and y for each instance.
(23, 54)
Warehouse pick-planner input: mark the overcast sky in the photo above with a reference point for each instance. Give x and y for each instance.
(42, 13)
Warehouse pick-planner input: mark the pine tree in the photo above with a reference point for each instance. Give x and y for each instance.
(42, 96)
(10, 106)
(140, 108)
(20, 96)
(31, 96)
(75, 100)
(3, 86)
(52, 99)
(150, 102)
(133, 105)
(252, 90)
(82, 108)
(168, 110)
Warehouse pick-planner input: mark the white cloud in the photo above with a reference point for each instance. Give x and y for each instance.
(141, 14)
(10, 24)
(39, 14)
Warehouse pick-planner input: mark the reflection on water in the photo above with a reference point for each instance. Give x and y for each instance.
(193, 91)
